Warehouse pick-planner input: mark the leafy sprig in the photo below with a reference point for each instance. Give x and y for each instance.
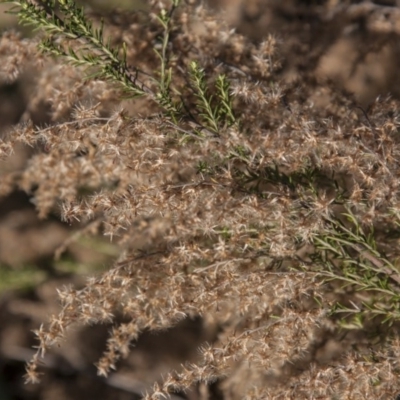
(208, 113)
(164, 95)
(225, 107)
(70, 23)
(215, 112)
(349, 255)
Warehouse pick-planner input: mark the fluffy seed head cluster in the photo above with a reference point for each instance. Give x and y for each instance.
(232, 190)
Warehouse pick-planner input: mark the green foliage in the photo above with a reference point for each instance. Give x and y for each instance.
(224, 108)
(349, 255)
(214, 112)
(95, 52)
(164, 96)
(25, 277)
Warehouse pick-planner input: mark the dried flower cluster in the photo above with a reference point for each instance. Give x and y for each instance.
(262, 203)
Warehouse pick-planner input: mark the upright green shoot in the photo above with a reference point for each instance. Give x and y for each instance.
(164, 96)
(215, 112)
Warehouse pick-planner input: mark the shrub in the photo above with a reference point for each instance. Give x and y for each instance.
(234, 194)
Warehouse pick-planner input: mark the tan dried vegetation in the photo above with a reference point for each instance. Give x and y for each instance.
(241, 185)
